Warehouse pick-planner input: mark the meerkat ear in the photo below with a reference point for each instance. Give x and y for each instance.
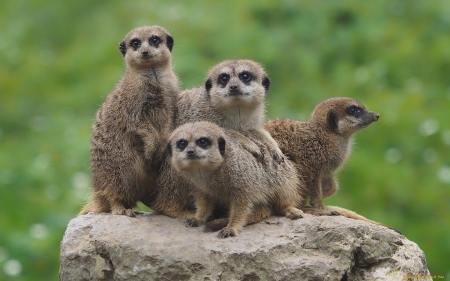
(221, 143)
(333, 121)
(123, 48)
(208, 85)
(266, 83)
(170, 42)
(169, 149)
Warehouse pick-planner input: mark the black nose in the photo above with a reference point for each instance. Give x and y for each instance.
(234, 88)
(190, 153)
(377, 116)
(145, 54)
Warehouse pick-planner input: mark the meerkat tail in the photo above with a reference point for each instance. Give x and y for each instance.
(352, 215)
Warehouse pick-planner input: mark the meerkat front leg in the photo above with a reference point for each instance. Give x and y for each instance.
(315, 193)
(328, 184)
(276, 152)
(246, 143)
(239, 212)
(150, 139)
(205, 208)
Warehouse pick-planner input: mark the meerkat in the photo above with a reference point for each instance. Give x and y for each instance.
(321, 145)
(224, 172)
(232, 97)
(131, 128)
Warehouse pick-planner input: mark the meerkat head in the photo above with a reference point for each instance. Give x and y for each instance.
(147, 46)
(199, 145)
(343, 115)
(237, 82)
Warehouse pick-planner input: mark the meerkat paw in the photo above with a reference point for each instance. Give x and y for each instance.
(294, 213)
(192, 223)
(126, 212)
(278, 156)
(253, 149)
(227, 232)
(320, 211)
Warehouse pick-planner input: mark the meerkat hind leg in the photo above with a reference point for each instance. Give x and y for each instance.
(258, 214)
(97, 205)
(293, 213)
(320, 212)
(118, 208)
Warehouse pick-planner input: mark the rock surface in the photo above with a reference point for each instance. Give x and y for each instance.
(155, 247)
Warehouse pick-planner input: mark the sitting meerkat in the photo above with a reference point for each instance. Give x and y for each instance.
(131, 128)
(224, 172)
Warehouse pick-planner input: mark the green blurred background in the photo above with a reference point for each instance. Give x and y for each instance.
(59, 59)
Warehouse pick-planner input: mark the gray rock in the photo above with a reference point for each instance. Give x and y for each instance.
(155, 247)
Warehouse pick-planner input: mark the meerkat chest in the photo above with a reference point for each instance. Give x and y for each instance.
(242, 119)
(342, 150)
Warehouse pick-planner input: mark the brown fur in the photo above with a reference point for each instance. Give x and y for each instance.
(223, 172)
(321, 145)
(234, 104)
(237, 106)
(131, 128)
(317, 148)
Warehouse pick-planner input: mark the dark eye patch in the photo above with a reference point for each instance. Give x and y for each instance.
(170, 42)
(246, 77)
(123, 48)
(203, 142)
(154, 41)
(221, 143)
(223, 79)
(135, 43)
(354, 111)
(182, 144)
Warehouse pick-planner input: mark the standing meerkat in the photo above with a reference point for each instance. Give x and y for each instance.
(225, 173)
(233, 97)
(131, 128)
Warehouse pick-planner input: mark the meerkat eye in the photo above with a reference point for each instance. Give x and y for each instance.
(182, 144)
(203, 142)
(224, 78)
(135, 43)
(353, 111)
(245, 77)
(155, 40)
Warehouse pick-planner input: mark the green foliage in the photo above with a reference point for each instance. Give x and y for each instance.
(59, 59)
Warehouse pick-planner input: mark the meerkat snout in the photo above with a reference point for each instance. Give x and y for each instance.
(233, 89)
(376, 115)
